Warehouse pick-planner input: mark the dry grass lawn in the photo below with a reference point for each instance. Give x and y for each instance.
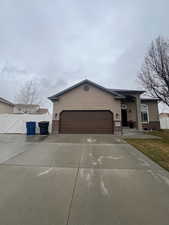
(156, 149)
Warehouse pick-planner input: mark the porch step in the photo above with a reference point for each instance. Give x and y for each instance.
(130, 131)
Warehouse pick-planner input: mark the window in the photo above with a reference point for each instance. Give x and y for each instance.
(144, 113)
(144, 117)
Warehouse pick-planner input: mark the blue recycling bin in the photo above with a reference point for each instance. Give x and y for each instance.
(31, 128)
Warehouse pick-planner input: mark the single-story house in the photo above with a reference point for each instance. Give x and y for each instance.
(88, 107)
(6, 106)
(164, 115)
(26, 108)
(29, 109)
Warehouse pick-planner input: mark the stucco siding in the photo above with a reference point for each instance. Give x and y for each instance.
(5, 108)
(93, 99)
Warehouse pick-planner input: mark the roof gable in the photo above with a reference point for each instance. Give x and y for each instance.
(113, 93)
(6, 101)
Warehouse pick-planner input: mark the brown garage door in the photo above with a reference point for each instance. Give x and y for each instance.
(98, 122)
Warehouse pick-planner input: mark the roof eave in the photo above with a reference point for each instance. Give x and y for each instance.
(121, 91)
(118, 97)
(7, 103)
(149, 99)
(55, 97)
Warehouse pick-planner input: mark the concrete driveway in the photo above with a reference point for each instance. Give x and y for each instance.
(79, 180)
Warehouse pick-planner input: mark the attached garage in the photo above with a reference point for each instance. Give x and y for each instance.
(86, 121)
(86, 108)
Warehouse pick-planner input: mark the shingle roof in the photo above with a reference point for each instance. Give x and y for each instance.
(127, 91)
(149, 99)
(117, 93)
(6, 101)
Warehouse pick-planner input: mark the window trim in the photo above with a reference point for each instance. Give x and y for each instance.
(147, 111)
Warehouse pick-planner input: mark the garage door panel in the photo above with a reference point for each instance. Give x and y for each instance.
(86, 122)
(86, 131)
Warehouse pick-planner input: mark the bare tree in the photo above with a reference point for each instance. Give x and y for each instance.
(154, 75)
(28, 94)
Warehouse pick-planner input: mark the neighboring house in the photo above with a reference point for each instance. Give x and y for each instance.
(6, 106)
(90, 108)
(42, 111)
(26, 108)
(29, 109)
(164, 120)
(164, 115)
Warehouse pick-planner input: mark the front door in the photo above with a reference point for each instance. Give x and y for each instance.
(124, 117)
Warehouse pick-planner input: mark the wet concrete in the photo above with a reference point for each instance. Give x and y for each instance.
(49, 154)
(85, 139)
(35, 195)
(123, 197)
(80, 180)
(121, 156)
(10, 150)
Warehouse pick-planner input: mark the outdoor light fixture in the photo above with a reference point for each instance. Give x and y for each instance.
(117, 116)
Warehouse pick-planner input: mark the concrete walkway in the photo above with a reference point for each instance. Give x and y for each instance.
(135, 134)
(79, 180)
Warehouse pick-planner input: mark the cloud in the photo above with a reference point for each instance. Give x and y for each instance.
(58, 43)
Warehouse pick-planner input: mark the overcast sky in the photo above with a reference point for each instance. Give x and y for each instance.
(58, 43)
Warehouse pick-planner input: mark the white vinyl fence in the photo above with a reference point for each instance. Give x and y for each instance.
(16, 123)
(164, 123)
